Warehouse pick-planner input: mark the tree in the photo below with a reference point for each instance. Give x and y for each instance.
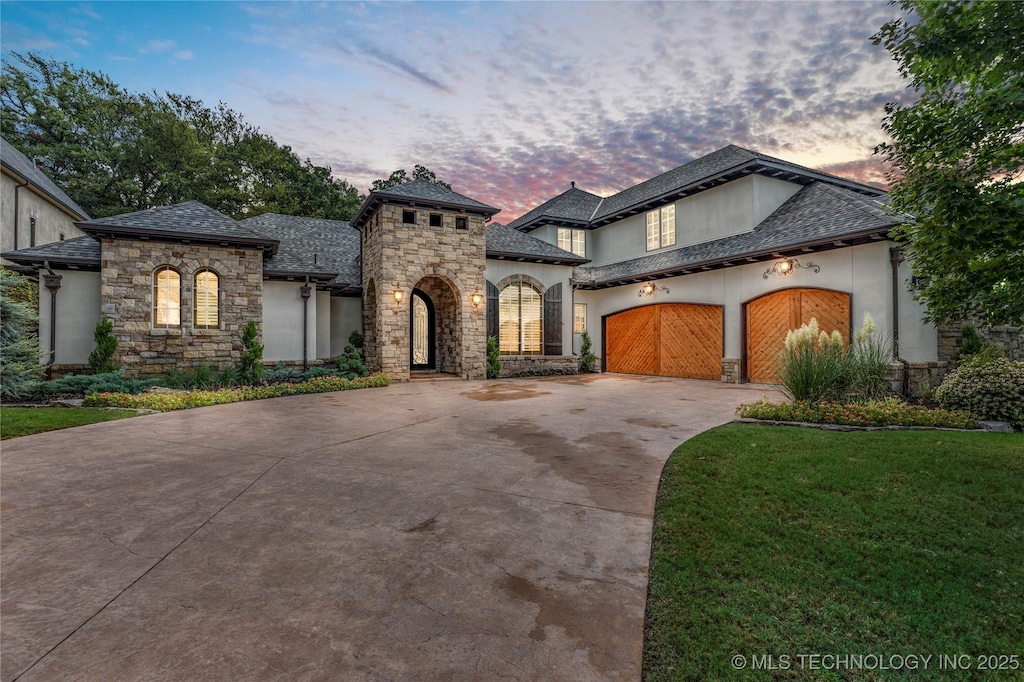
(957, 155)
(399, 177)
(19, 344)
(101, 359)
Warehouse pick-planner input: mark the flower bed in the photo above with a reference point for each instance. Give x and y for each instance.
(182, 400)
(876, 413)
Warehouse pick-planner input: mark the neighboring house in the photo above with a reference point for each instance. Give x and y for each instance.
(698, 272)
(33, 210)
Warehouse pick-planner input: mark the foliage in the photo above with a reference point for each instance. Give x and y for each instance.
(250, 362)
(24, 421)
(357, 340)
(201, 377)
(493, 358)
(350, 363)
(399, 177)
(888, 412)
(23, 290)
(992, 387)
(970, 342)
(588, 361)
(101, 359)
(957, 154)
(114, 151)
(19, 341)
(869, 361)
(790, 540)
(77, 386)
(294, 376)
(181, 400)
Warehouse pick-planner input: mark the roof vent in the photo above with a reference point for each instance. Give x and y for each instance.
(573, 183)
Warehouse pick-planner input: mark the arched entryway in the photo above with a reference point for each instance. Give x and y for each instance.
(434, 323)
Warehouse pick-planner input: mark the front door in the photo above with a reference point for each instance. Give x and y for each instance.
(421, 344)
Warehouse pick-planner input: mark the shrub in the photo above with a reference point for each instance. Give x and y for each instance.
(970, 342)
(813, 364)
(992, 387)
(250, 363)
(888, 412)
(202, 377)
(588, 361)
(493, 358)
(77, 386)
(19, 341)
(101, 359)
(350, 363)
(356, 340)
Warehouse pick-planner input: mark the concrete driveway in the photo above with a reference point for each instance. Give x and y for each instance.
(440, 530)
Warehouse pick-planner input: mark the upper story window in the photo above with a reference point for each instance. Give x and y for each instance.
(166, 298)
(461, 223)
(574, 241)
(661, 227)
(32, 230)
(520, 320)
(579, 318)
(409, 217)
(436, 220)
(207, 300)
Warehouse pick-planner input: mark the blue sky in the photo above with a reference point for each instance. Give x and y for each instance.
(508, 101)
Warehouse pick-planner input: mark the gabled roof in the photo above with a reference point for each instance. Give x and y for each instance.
(190, 221)
(20, 165)
(81, 252)
(421, 194)
(819, 217)
(313, 246)
(505, 243)
(574, 207)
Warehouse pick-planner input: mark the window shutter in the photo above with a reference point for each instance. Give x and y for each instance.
(492, 310)
(553, 320)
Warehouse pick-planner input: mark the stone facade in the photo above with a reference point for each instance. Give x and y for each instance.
(1008, 339)
(126, 297)
(731, 371)
(538, 365)
(447, 265)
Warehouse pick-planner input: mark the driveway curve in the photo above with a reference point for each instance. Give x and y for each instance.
(436, 529)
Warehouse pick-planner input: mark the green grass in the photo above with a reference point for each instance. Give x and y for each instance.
(24, 421)
(788, 541)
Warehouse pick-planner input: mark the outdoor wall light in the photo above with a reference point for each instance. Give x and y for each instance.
(398, 295)
(649, 289)
(788, 265)
(477, 299)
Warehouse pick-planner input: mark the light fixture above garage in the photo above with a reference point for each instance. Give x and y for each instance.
(649, 289)
(787, 265)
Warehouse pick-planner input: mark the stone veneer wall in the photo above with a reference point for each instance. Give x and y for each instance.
(127, 299)
(538, 365)
(1009, 339)
(399, 257)
(731, 371)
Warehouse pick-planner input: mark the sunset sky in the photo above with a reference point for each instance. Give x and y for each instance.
(507, 101)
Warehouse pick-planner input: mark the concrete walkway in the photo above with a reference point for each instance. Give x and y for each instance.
(434, 530)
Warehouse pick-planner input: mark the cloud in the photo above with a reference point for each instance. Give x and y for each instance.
(183, 55)
(157, 46)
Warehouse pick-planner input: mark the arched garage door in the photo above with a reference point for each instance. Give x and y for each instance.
(668, 339)
(771, 316)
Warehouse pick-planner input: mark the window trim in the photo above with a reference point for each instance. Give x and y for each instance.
(577, 328)
(663, 222)
(195, 299)
(156, 308)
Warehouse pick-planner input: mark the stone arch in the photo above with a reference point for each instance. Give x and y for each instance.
(515, 279)
(371, 327)
(446, 298)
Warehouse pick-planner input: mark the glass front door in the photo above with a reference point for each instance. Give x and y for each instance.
(421, 346)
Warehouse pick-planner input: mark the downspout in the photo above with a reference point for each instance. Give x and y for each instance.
(16, 188)
(304, 291)
(896, 257)
(52, 282)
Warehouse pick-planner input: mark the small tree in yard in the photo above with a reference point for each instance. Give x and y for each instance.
(101, 359)
(350, 363)
(19, 344)
(250, 363)
(493, 358)
(588, 361)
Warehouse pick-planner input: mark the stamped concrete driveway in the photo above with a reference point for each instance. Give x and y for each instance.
(440, 530)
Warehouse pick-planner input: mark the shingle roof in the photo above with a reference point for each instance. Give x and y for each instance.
(420, 193)
(505, 242)
(310, 246)
(20, 164)
(818, 214)
(189, 220)
(79, 251)
(574, 205)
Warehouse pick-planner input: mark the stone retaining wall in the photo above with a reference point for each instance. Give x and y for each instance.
(1008, 339)
(538, 365)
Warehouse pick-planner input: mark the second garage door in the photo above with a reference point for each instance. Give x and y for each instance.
(668, 339)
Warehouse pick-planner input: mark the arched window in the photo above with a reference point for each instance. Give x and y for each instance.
(166, 298)
(207, 300)
(520, 320)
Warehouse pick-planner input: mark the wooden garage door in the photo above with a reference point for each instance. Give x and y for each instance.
(669, 339)
(770, 317)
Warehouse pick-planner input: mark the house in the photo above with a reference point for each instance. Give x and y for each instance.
(698, 272)
(33, 210)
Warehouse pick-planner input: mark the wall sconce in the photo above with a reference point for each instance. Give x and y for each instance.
(398, 295)
(788, 265)
(476, 299)
(649, 289)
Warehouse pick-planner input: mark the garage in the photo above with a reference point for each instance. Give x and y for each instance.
(769, 317)
(667, 339)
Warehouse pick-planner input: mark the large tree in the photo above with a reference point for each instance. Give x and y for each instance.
(957, 154)
(114, 151)
(399, 177)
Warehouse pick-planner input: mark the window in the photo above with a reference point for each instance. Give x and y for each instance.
(661, 227)
(435, 220)
(409, 217)
(207, 301)
(461, 223)
(32, 230)
(574, 241)
(166, 299)
(579, 318)
(61, 237)
(520, 316)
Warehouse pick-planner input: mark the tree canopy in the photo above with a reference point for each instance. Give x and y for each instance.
(114, 151)
(400, 176)
(957, 154)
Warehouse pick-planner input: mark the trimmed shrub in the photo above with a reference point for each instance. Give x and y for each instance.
(888, 412)
(992, 387)
(493, 358)
(77, 386)
(19, 341)
(250, 363)
(350, 363)
(356, 340)
(588, 361)
(101, 359)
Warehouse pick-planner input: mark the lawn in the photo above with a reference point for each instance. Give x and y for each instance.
(782, 542)
(23, 421)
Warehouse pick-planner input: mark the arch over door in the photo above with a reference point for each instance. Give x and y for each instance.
(770, 317)
(667, 339)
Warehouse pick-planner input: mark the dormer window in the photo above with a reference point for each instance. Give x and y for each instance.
(574, 241)
(661, 227)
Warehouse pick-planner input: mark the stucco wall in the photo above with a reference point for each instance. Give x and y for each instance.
(346, 317)
(78, 311)
(282, 322)
(323, 324)
(50, 220)
(548, 275)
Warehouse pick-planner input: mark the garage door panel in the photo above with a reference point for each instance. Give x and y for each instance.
(632, 341)
(830, 308)
(671, 339)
